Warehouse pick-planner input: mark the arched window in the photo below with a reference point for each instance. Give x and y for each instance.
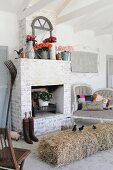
(41, 27)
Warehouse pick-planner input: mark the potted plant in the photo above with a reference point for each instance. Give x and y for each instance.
(52, 40)
(44, 98)
(30, 40)
(65, 52)
(42, 50)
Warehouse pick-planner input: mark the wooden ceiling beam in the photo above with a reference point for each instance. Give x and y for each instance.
(93, 7)
(104, 30)
(62, 6)
(36, 7)
(93, 24)
(99, 20)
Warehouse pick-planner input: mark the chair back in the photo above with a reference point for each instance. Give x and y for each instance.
(106, 93)
(7, 154)
(79, 89)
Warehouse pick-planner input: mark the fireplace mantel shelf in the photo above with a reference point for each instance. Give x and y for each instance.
(42, 60)
(43, 72)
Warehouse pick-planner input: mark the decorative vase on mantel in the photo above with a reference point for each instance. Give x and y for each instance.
(53, 51)
(44, 54)
(65, 56)
(30, 50)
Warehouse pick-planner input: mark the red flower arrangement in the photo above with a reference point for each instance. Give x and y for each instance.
(30, 38)
(50, 39)
(42, 46)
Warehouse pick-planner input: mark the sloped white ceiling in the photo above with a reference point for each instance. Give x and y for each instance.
(99, 20)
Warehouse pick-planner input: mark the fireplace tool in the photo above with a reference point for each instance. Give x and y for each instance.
(13, 72)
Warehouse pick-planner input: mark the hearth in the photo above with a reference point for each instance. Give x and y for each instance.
(55, 105)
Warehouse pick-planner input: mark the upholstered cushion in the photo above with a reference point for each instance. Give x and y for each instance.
(92, 106)
(88, 98)
(80, 89)
(106, 93)
(83, 99)
(105, 100)
(97, 97)
(79, 106)
(80, 100)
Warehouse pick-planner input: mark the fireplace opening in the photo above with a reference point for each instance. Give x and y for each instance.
(52, 107)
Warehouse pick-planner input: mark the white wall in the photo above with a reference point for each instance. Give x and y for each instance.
(9, 32)
(87, 41)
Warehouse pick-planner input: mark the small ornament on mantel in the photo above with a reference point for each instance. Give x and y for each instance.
(65, 52)
(52, 40)
(21, 53)
(58, 56)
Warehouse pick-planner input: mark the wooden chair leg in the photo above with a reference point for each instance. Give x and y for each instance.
(21, 165)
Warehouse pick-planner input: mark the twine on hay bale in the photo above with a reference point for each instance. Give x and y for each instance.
(65, 146)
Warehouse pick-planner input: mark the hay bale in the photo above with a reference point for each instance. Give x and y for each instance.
(63, 147)
(90, 144)
(66, 146)
(104, 135)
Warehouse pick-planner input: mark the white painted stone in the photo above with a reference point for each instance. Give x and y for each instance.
(37, 72)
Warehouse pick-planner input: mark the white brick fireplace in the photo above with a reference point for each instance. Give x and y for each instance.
(36, 72)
